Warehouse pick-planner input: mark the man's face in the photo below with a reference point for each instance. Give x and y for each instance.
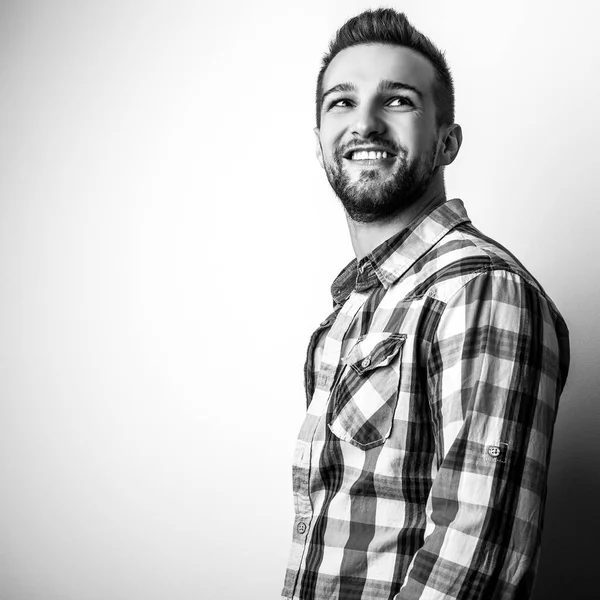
(378, 136)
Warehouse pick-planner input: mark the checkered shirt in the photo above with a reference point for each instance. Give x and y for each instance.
(420, 471)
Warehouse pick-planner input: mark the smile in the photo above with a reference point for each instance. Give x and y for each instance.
(364, 155)
(369, 154)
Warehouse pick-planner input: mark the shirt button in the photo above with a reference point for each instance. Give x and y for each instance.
(365, 363)
(301, 528)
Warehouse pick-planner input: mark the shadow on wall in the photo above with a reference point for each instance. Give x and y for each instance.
(569, 561)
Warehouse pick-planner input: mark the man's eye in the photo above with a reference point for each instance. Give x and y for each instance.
(341, 103)
(400, 101)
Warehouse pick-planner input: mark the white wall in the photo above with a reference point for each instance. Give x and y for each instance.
(167, 241)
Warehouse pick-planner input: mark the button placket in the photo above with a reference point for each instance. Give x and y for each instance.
(339, 322)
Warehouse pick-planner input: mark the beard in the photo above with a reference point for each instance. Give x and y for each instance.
(376, 195)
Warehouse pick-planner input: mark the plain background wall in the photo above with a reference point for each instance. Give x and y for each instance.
(167, 241)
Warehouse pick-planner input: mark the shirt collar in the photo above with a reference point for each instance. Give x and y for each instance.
(391, 259)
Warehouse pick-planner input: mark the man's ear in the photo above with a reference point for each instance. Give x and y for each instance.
(451, 143)
(318, 149)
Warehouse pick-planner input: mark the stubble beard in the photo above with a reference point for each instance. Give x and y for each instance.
(375, 196)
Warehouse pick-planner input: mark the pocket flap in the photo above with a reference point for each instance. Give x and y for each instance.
(366, 357)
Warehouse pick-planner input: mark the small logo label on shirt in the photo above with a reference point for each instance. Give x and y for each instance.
(497, 452)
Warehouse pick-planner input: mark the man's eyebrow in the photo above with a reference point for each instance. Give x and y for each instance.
(386, 85)
(340, 87)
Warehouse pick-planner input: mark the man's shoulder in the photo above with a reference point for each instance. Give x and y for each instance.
(463, 254)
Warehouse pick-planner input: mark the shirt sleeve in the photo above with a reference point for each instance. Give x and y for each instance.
(496, 366)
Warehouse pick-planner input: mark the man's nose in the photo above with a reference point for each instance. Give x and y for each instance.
(368, 122)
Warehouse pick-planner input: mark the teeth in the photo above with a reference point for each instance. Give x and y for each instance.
(364, 155)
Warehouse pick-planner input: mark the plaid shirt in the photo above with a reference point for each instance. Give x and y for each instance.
(420, 470)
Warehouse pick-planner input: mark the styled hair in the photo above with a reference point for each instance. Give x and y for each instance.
(386, 26)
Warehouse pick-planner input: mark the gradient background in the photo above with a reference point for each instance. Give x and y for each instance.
(167, 241)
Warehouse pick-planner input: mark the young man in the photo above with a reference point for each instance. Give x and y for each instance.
(421, 467)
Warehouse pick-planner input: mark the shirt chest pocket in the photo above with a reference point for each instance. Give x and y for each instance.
(364, 400)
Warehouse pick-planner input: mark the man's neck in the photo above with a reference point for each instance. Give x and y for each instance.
(366, 237)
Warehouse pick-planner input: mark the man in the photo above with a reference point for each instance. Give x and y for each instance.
(421, 467)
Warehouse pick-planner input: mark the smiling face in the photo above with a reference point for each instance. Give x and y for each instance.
(378, 140)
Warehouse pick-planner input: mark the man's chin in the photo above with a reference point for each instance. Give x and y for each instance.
(373, 189)
(370, 203)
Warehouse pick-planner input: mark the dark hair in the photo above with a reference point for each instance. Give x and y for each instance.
(386, 26)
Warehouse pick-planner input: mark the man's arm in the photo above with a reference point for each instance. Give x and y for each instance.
(496, 367)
